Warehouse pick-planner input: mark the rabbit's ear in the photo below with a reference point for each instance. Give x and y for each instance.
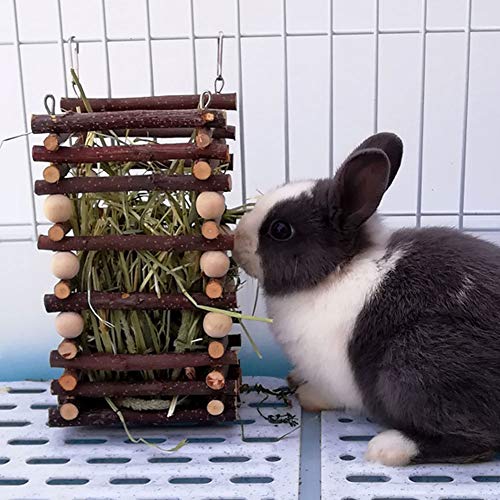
(391, 145)
(360, 184)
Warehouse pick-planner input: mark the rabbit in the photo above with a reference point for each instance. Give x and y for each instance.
(403, 325)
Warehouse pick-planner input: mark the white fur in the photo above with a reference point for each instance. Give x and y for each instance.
(391, 448)
(247, 232)
(315, 326)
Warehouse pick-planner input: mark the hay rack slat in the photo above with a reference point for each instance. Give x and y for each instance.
(214, 387)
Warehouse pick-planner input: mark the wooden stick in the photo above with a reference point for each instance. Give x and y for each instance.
(150, 388)
(121, 183)
(68, 411)
(214, 289)
(217, 101)
(135, 301)
(62, 289)
(227, 132)
(54, 173)
(105, 417)
(203, 137)
(126, 242)
(202, 170)
(58, 231)
(215, 380)
(68, 380)
(67, 349)
(217, 348)
(137, 362)
(109, 120)
(53, 141)
(210, 230)
(140, 152)
(215, 407)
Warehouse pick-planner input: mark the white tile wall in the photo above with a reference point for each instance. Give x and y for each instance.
(376, 83)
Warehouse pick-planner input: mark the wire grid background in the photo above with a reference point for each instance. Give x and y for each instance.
(314, 79)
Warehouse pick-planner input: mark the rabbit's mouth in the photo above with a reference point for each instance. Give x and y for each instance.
(245, 252)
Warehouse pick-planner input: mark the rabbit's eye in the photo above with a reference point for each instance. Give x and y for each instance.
(280, 230)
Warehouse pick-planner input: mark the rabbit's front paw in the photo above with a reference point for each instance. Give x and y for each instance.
(294, 379)
(310, 399)
(391, 448)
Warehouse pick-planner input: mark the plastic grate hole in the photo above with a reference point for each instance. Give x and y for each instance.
(431, 479)
(108, 460)
(224, 460)
(149, 440)
(260, 439)
(394, 498)
(269, 404)
(66, 481)
(205, 440)
(368, 479)
(8, 407)
(47, 461)
(356, 438)
(27, 442)
(42, 406)
(190, 480)
(252, 479)
(247, 421)
(14, 423)
(345, 420)
(169, 460)
(15, 481)
(28, 390)
(486, 479)
(4, 460)
(347, 458)
(130, 480)
(273, 458)
(85, 441)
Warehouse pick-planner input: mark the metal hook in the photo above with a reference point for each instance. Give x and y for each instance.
(49, 101)
(72, 40)
(219, 80)
(205, 98)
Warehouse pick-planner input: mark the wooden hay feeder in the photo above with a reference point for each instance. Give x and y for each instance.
(205, 375)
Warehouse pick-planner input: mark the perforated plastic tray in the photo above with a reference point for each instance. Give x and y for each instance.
(81, 463)
(345, 475)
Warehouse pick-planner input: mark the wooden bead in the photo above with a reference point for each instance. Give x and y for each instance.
(68, 411)
(65, 265)
(67, 349)
(217, 325)
(215, 407)
(214, 289)
(214, 264)
(69, 324)
(210, 230)
(57, 208)
(202, 170)
(210, 205)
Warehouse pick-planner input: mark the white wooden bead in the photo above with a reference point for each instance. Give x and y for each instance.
(57, 208)
(69, 324)
(217, 325)
(210, 205)
(65, 265)
(214, 263)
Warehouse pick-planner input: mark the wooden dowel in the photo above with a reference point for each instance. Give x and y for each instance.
(227, 132)
(54, 173)
(214, 289)
(58, 231)
(67, 349)
(62, 289)
(210, 230)
(126, 242)
(68, 411)
(53, 141)
(138, 362)
(140, 152)
(215, 407)
(217, 348)
(105, 417)
(202, 170)
(203, 137)
(135, 301)
(68, 380)
(109, 120)
(215, 380)
(217, 101)
(121, 183)
(150, 388)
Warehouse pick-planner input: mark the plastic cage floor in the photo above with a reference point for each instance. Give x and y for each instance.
(38, 462)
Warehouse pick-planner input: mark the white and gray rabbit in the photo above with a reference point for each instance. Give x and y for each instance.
(403, 325)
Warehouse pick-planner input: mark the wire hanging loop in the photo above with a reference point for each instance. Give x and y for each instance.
(49, 101)
(74, 53)
(205, 98)
(219, 80)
